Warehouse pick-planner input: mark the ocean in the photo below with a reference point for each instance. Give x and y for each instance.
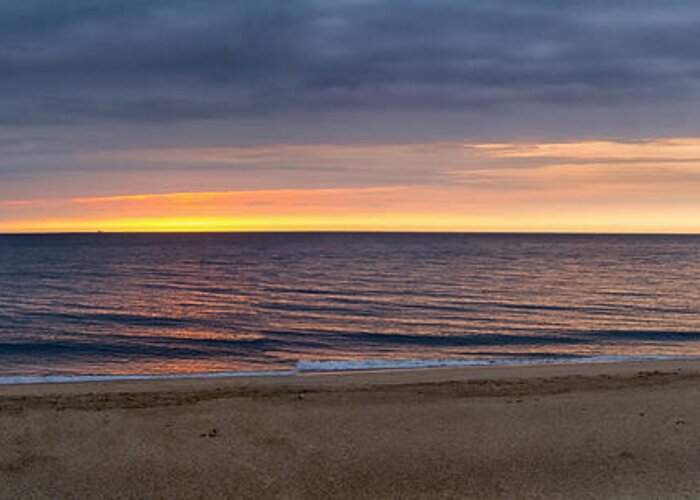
(84, 306)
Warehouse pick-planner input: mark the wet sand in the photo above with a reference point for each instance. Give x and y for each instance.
(613, 430)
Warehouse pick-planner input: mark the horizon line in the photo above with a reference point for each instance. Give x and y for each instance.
(355, 231)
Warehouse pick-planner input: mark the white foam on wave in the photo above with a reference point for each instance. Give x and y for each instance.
(395, 364)
(306, 366)
(321, 366)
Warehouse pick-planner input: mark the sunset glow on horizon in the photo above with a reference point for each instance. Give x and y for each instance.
(586, 186)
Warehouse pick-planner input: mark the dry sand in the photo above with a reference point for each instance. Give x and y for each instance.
(627, 430)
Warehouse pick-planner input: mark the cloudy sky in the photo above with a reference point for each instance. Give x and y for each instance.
(530, 115)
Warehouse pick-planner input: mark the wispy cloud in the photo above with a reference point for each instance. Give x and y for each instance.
(674, 149)
(656, 172)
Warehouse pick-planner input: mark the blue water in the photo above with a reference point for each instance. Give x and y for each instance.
(173, 304)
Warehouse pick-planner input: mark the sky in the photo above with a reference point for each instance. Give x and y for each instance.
(434, 115)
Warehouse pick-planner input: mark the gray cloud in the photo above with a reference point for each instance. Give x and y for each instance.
(82, 61)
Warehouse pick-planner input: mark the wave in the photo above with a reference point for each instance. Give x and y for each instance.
(306, 366)
(457, 341)
(329, 366)
(113, 318)
(60, 379)
(139, 346)
(668, 335)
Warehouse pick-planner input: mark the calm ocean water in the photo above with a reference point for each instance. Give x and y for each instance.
(109, 304)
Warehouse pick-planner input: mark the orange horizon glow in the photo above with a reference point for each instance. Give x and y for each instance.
(648, 186)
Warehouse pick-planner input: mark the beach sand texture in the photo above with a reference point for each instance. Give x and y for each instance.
(613, 430)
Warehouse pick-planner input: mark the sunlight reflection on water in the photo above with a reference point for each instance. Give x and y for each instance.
(108, 304)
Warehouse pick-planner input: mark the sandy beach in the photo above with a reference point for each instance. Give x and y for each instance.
(605, 430)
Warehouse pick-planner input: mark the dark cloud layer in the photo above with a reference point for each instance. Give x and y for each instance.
(165, 61)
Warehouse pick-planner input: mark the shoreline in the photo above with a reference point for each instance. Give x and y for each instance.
(340, 367)
(352, 380)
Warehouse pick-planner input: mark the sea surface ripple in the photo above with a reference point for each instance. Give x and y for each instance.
(136, 304)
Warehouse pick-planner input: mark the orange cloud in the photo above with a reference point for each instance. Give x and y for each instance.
(669, 150)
